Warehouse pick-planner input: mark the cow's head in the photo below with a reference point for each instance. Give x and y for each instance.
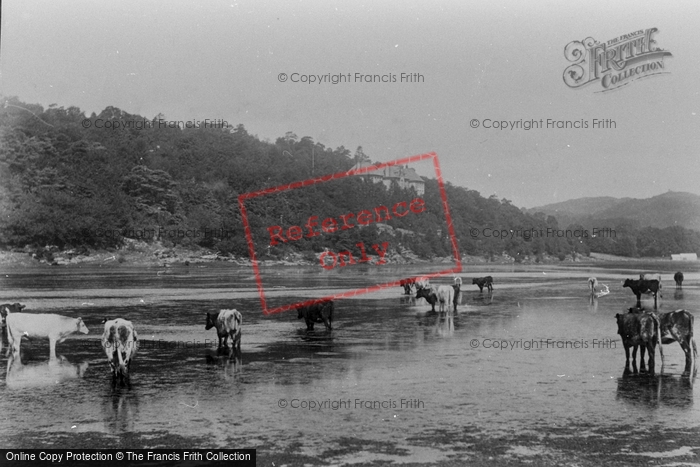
(301, 312)
(627, 283)
(425, 293)
(81, 326)
(211, 320)
(475, 280)
(620, 323)
(7, 309)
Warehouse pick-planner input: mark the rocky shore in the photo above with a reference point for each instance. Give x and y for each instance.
(142, 253)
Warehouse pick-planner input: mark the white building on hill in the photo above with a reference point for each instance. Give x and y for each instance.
(685, 257)
(404, 176)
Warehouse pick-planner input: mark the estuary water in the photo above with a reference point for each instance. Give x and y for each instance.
(532, 372)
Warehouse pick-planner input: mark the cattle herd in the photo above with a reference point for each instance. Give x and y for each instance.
(638, 328)
(119, 339)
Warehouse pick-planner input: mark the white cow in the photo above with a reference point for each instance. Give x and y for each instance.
(120, 343)
(55, 327)
(228, 323)
(445, 295)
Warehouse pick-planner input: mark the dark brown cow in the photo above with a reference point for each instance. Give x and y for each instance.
(428, 294)
(678, 326)
(641, 286)
(321, 312)
(482, 282)
(639, 330)
(457, 286)
(678, 277)
(407, 284)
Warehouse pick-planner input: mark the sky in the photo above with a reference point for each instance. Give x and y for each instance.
(479, 61)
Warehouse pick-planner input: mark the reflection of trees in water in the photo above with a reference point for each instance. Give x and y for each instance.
(657, 390)
(20, 375)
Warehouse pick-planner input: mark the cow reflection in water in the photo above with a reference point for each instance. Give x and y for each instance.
(593, 303)
(228, 360)
(120, 408)
(60, 370)
(445, 325)
(654, 391)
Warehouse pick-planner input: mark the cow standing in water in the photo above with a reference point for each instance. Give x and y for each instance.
(55, 327)
(678, 277)
(678, 326)
(428, 294)
(321, 312)
(407, 284)
(228, 323)
(639, 330)
(643, 286)
(592, 284)
(120, 343)
(482, 282)
(457, 286)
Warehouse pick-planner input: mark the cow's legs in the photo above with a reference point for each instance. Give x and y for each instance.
(634, 359)
(627, 360)
(52, 347)
(651, 349)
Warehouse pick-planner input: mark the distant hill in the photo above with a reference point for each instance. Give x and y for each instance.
(666, 210)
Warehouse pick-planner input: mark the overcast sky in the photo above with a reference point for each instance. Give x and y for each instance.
(500, 60)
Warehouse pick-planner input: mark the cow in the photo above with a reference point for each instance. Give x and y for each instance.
(592, 284)
(120, 342)
(652, 277)
(678, 326)
(482, 282)
(642, 286)
(6, 309)
(55, 327)
(319, 312)
(678, 277)
(422, 282)
(407, 284)
(457, 286)
(428, 294)
(639, 330)
(446, 297)
(228, 323)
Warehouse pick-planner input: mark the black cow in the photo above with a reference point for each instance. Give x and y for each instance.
(482, 282)
(428, 294)
(639, 330)
(678, 277)
(321, 312)
(407, 284)
(641, 286)
(457, 286)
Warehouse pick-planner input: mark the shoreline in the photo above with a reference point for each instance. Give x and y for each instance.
(144, 254)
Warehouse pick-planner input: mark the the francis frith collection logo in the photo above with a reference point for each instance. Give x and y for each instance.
(614, 63)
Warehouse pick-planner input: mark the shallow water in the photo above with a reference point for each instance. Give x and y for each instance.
(535, 355)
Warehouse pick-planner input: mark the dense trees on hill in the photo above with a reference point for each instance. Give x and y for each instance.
(74, 182)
